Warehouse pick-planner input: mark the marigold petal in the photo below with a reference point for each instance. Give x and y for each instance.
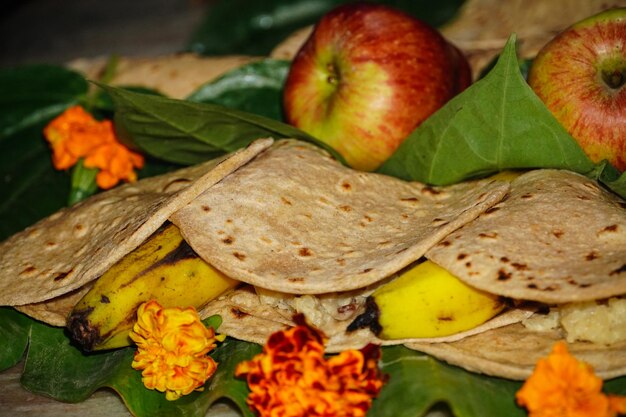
(292, 378)
(172, 348)
(73, 135)
(563, 386)
(105, 180)
(76, 134)
(617, 404)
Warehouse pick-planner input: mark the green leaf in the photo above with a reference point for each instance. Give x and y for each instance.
(83, 183)
(255, 28)
(417, 382)
(498, 123)
(615, 386)
(55, 368)
(223, 384)
(255, 88)
(31, 97)
(14, 332)
(188, 133)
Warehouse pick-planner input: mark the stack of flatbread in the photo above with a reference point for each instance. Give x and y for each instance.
(305, 234)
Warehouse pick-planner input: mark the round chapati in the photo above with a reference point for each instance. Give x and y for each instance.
(176, 76)
(295, 220)
(558, 237)
(512, 352)
(55, 311)
(78, 244)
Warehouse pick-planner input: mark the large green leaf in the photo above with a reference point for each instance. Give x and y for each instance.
(224, 385)
(188, 133)
(14, 329)
(55, 368)
(255, 88)
(418, 382)
(256, 27)
(31, 97)
(498, 123)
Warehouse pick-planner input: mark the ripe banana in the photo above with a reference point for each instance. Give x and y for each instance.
(164, 268)
(426, 301)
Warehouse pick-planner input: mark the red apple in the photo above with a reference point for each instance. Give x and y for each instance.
(581, 77)
(367, 76)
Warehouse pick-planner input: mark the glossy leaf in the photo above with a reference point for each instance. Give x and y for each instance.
(418, 382)
(255, 28)
(255, 88)
(498, 123)
(31, 97)
(188, 133)
(224, 385)
(57, 369)
(14, 329)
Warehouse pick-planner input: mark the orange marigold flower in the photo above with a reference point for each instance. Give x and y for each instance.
(172, 349)
(292, 378)
(562, 386)
(76, 134)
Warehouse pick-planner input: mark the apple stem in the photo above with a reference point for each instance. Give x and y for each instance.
(614, 79)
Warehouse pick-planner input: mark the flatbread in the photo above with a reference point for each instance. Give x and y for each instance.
(558, 237)
(297, 221)
(175, 75)
(513, 351)
(246, 317)
(55, 310)
(76, 245)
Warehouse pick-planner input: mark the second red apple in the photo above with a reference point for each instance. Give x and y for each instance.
(367, 77)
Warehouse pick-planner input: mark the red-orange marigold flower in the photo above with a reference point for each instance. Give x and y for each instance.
(562, 386)
(292, 378)
(172, 349)
(76, 134)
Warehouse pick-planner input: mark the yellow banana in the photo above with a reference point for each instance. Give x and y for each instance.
(426, 301)
(164, 268)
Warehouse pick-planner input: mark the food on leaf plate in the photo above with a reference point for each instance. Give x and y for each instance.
(314, 237)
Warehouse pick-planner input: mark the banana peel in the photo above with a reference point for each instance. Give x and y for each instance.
(164, 268)
(426, 301)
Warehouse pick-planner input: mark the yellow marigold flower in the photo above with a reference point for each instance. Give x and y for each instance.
(172, 349)
(76, 134)
(292, 378)
(562, 386)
